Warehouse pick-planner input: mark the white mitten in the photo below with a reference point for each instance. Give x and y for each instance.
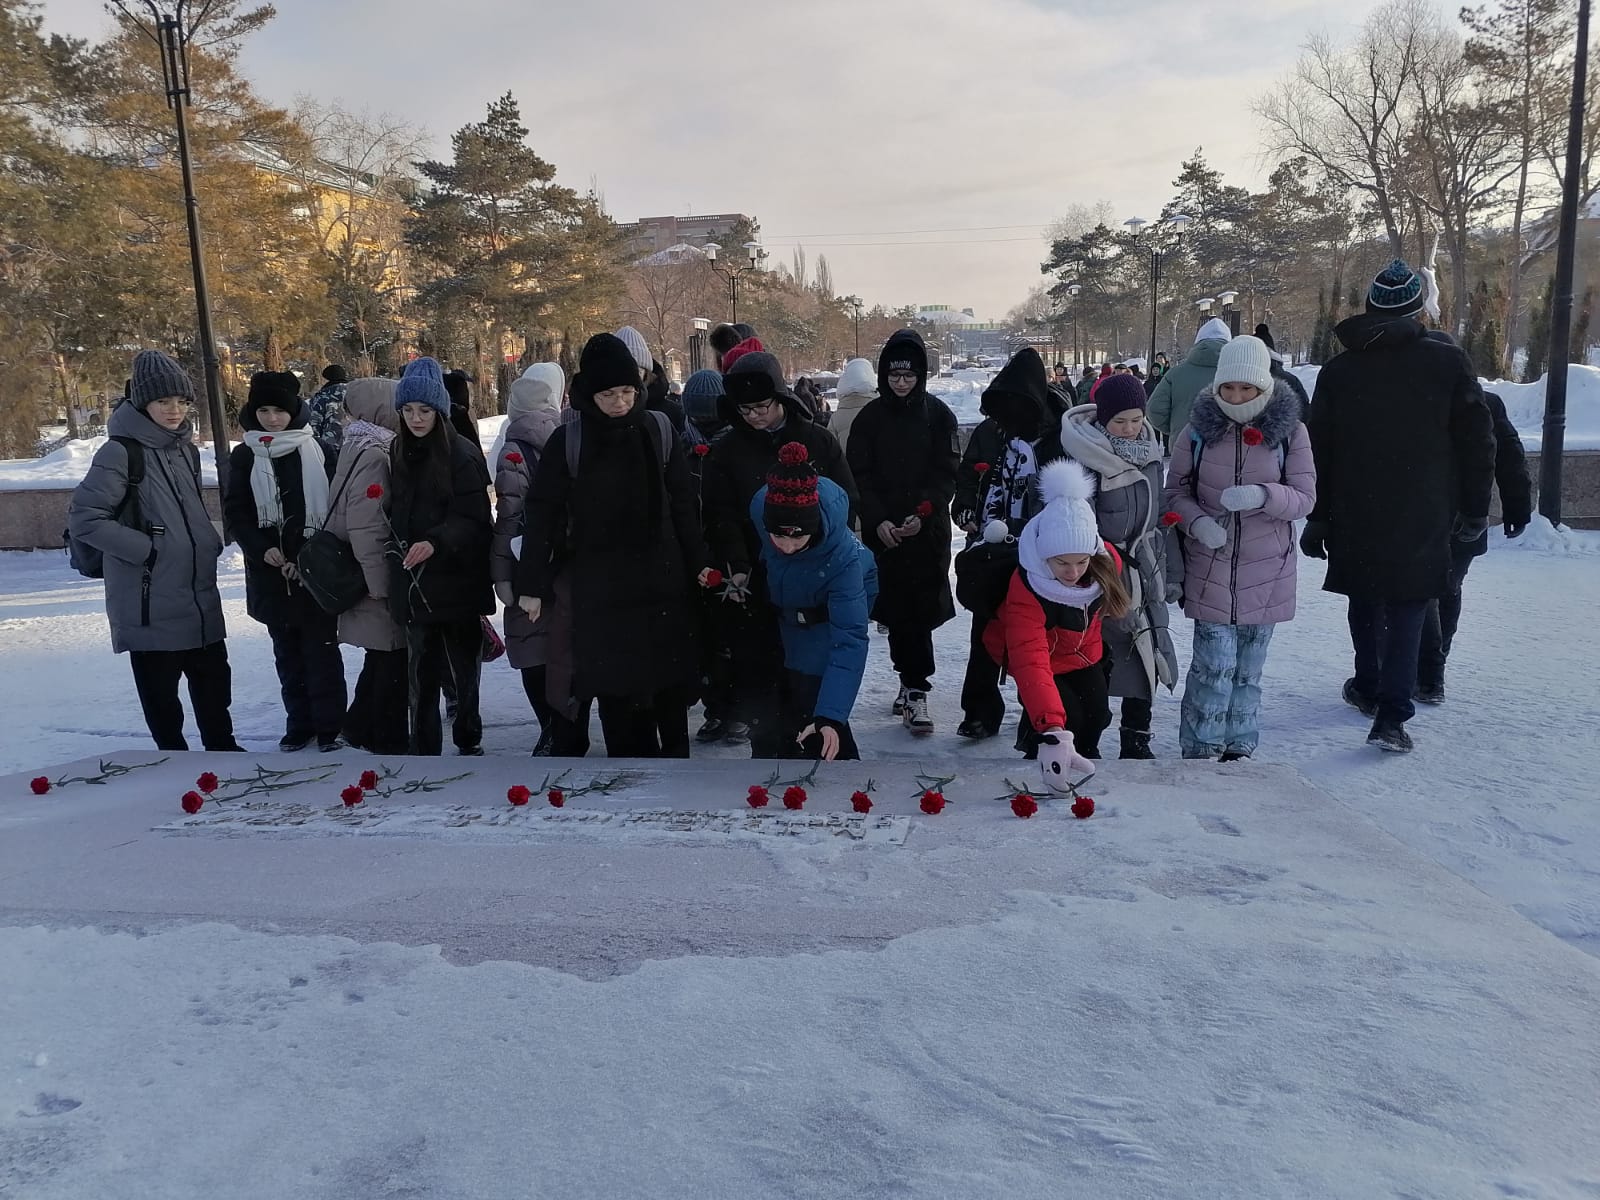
(1244, 497)
(507, 594)
(1060, 763)
(1208, 533)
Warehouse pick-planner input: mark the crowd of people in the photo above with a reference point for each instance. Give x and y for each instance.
(734, 545)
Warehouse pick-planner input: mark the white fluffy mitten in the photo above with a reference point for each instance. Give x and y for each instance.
(1244, 497)
(1208, 533)
(1060, 763)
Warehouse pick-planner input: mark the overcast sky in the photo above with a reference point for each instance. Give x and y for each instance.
(953, 130)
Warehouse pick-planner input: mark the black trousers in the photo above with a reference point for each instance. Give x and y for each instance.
(570, 738)
(799, 699)
(311, 677)
(980, 688)
(1387, 638)
(653, 728)
(533, 686)
(378, 716)
(1087, 704)
(756, 657)
(1440, 621)
(436, 651)
(156, 674)
(911, 652)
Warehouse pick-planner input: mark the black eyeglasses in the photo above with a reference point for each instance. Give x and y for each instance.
(759, 406)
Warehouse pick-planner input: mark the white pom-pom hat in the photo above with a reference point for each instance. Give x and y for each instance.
(1067, 524)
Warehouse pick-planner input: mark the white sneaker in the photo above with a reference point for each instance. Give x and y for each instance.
(917, 719)
(899, 708)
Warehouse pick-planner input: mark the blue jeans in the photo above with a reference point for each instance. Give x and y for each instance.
(1222, 693)
(1387, 637)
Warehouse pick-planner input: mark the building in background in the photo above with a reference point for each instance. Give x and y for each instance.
(652, 235)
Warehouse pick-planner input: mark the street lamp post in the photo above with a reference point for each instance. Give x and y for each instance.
(1230, 314)
(1074, 290)
(855, 306)
(172, 39)
(1174, 226)
(732, 274)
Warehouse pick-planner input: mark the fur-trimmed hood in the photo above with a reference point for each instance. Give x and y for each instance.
(1276, 422)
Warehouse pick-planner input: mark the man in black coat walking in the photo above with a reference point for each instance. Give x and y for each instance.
(904, 453)
(1516, 510)
(1405, 459)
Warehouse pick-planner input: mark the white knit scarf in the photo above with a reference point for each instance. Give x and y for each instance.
(264, 481)
(1044, 582)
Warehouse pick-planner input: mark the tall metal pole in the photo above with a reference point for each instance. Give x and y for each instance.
(175, 73)
(1555, 385)
(1155, 284)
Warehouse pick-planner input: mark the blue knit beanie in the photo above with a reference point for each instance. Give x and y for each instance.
(1396, 292)
(423, 383)
(702, 395)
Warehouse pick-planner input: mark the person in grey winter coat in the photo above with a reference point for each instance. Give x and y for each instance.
(1114, 442)
(532, 415)
(1241, 476)
(1175, 394)
(858, 387)
(358, 513)
(160, 570)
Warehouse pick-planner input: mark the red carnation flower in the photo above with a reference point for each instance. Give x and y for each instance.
(757, 798)
(932, 802)
(192, 802)
(352, 796)
(40, 786)
(518, 794)
(1252, 436)
(374, 491)
(794, 797)
(713, 578)
(793, 454)
(207, 782)
(861, 802)
(1083, 808)
(701, 450)
(1024, 806)
(514, 457)
(557, 798)
(266, 439)
(368, 780)
(981, 468)
(925, 510)
(1170, 519)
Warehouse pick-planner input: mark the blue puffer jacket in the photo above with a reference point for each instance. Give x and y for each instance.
(824, 594)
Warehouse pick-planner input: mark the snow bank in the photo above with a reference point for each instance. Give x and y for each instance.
(65, 467)
(1544, 538)
(963, 392)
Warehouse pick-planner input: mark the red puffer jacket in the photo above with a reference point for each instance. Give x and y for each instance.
(1035, 652)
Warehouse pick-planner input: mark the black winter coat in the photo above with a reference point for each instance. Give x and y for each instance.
(454, 584)
(986, 445)
(1510, 472)
(1292, 382)
(905, 454)
(623, 543)
(268, 596)
(1403, 444)
(736, 469)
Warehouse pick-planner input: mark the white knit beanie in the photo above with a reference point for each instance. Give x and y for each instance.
(1245, 359)
(1067, 523)
(637, 346)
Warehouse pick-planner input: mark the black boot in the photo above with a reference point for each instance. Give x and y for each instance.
(1390, 736)
(1136, 744)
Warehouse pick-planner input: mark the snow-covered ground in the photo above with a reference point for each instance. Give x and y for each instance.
(1325, 973)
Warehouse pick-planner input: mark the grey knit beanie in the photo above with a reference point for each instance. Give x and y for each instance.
(157, 376)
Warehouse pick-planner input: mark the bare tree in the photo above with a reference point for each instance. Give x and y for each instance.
(1350, 109)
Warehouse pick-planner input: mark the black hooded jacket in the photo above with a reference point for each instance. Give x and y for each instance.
(1403, 443)
(905, 455)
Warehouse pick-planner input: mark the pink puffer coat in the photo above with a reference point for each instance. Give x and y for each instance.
(1251, 579)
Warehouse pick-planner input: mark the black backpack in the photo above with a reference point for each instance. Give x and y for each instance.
(86, 559)
(983, 576)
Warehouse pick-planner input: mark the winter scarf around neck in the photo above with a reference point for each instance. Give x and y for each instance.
(1243, 414)
(264, 480)
(1046, 584)
(1135, 452)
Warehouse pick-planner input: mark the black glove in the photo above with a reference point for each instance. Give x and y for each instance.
(1514, 529)
(1312, 539)
(1469, 529)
